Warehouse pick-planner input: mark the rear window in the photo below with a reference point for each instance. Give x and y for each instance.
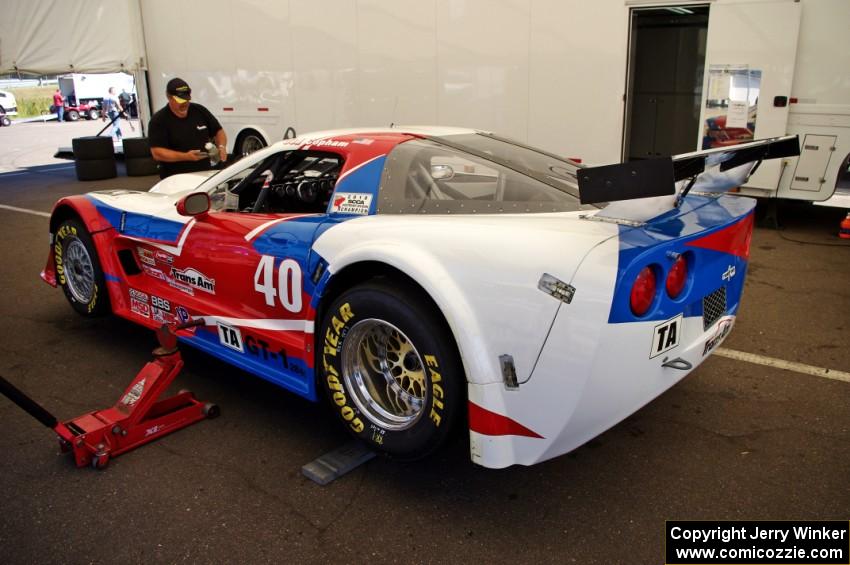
(425, 176)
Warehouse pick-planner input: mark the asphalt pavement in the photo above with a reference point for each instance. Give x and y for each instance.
(734, 440)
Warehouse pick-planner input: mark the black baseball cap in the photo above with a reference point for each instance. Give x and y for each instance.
(178, 88)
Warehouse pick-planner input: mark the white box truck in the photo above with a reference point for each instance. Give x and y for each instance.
(538, 71)
(91, 88)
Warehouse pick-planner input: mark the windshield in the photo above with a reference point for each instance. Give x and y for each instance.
(475, 174)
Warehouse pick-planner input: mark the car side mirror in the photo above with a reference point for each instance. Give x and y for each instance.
(194, 204)
(442, 172)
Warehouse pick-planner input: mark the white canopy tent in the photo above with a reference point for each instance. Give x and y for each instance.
(46, 37)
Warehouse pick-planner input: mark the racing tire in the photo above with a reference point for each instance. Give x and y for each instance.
(72, 116)
(92, 148)
(92, 114)
(248, 142)
(136, 147)
(141, 166)
(391, 370)
(78, 269)
(96, 169)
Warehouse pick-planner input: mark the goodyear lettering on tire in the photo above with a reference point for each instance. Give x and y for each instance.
(63, 232)
(331, 348)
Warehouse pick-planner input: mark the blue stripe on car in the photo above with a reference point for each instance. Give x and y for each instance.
(139, 225)
(649, 245)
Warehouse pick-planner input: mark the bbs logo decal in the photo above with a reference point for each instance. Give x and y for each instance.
(160, 303)
(352, 203)
(194, 278)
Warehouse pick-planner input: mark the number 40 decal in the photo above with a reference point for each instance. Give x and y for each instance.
(288, 288)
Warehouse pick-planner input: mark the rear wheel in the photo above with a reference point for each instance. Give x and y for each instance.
(248, 142)
(78, 269)
(391, 370)
(93, 114)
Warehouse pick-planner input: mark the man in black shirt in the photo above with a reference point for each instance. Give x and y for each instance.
(179, 131)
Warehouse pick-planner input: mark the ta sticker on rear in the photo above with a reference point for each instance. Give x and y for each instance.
(666, 336)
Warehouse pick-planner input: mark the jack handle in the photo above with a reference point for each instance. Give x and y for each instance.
(168, 339)
(29, 405)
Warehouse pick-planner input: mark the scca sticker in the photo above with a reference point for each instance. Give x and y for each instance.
(351, 203)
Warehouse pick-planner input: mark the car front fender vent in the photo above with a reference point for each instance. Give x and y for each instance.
(557, 288)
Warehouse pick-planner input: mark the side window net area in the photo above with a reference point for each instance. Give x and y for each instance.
(424, 177)
(301, 181)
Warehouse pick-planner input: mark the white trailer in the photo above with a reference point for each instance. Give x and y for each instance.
(581, 79)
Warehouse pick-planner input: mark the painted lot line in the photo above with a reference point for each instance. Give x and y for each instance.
(25, 211)
(721, 351)
(780, 364)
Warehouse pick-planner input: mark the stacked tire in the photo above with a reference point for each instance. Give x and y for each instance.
(94, 158)
(137, 157)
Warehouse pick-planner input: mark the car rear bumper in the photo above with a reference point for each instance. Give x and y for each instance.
(580, 390)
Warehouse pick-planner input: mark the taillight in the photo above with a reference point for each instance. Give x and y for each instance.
(643, 291)
(677, 277)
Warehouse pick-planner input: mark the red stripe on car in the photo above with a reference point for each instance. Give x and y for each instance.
(489, 423)
(734, 239)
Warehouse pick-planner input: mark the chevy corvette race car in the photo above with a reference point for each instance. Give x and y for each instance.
(422, 279)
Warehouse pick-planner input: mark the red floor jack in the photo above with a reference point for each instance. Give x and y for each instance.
(137, 418)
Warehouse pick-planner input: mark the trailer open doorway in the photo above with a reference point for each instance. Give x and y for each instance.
(667, 47)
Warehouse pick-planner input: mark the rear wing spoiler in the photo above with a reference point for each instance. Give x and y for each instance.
(712, 170)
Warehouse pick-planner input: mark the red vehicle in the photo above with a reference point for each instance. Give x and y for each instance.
(74, 112)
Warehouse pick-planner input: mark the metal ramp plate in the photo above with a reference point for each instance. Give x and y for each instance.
(337, 463)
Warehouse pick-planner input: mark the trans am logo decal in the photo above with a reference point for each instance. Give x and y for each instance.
(194, 278)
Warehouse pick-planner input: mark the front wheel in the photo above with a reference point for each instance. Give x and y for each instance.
(72, 115)
(78, 269)
(391, 370)
(93, 114)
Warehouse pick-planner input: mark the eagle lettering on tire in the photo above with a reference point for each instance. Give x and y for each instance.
(390, 369)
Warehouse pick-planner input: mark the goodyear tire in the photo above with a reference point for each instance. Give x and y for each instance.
(95, 169)
(390, 370)
(78, 269)
(92, 147)
(141, 166)
(136, 148)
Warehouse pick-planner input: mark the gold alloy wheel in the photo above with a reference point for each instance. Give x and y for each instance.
(384, 373)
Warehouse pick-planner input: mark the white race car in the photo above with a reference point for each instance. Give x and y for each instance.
(423, 279)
